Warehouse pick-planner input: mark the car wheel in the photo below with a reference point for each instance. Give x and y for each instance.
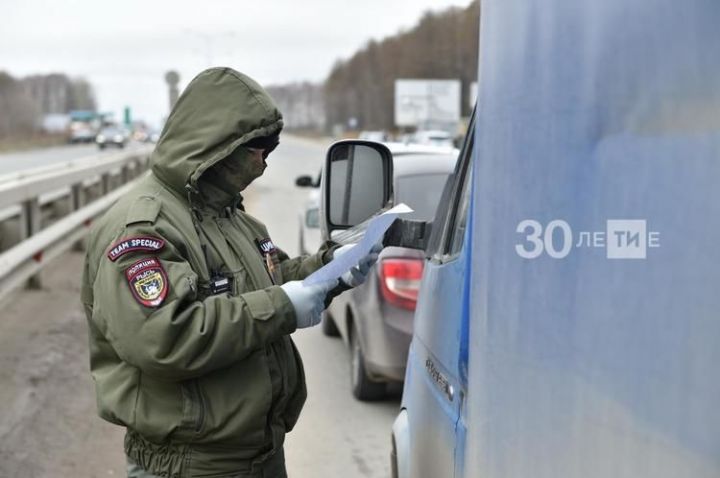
(362, 387)
(329, 328)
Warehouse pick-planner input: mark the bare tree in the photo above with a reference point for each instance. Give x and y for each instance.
(302, 105)
(56, 93)
(442, 45)
(19, 111)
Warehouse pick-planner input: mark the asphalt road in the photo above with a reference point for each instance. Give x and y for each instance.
(48, 426)
(46, 157)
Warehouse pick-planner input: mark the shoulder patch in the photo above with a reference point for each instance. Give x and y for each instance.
(130, 244)
(148, 282)
(265, 246)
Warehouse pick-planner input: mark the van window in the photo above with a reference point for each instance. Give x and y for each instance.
(450, 221)
(458, 213)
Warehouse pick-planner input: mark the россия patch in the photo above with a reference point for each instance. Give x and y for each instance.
(148, 282)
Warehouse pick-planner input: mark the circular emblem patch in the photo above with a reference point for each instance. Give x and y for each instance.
(148, 282)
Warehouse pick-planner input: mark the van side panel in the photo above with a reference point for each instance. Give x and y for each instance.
(585, 364)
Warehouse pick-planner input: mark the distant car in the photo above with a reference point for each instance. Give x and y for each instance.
(140, 135)
(379, 136)
(433, 138)
(401, 148)
(111, 136)
(375, 319)
(153, 137)
(81, 132)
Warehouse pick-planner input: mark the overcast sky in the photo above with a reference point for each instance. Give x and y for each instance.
(125, 47)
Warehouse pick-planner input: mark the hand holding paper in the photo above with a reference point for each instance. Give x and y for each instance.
(345, 262)
(358, 273)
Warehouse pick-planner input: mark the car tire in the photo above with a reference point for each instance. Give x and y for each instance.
(329, 328)
(363, 388)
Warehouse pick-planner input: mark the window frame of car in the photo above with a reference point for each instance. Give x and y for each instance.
(442, 246)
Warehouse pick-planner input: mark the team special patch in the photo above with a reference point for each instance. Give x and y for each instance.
(266, 246)
(143, 243)
(148, 282)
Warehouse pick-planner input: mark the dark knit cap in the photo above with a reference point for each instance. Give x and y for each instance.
(264, 142)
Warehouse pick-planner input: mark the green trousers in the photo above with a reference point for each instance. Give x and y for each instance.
(134, 471)
(274, 469)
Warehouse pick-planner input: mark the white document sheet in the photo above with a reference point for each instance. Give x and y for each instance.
(375, 231)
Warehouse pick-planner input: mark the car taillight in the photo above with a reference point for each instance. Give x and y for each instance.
(400, 281)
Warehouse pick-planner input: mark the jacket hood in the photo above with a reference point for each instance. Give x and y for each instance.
(218, 111)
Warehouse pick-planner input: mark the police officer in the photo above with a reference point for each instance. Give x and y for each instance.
(190, 305)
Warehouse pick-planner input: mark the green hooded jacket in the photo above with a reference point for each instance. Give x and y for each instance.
(189, 331)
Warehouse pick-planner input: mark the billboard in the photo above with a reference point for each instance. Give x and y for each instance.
(420, 102)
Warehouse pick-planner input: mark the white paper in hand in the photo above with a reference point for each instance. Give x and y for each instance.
(375, 231)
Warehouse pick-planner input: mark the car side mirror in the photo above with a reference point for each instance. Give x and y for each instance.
(356, 183)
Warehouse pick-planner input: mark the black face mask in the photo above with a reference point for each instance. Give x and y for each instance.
(232, 174)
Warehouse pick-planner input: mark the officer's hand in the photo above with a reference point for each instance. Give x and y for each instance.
(308, 301)
(357, 275)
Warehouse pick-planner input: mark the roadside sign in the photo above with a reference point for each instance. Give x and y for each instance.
(419, 102)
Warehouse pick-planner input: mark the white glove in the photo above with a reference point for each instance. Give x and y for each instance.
(308, 301)
(357, 275)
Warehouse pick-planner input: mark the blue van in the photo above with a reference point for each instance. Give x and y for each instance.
(568, 323)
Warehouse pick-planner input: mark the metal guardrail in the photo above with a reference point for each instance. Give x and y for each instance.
(31, 186)
(23, 195)
(25, 260)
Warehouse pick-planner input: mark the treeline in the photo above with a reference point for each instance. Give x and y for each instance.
(24, 102)
(302, 105)
(443, 45)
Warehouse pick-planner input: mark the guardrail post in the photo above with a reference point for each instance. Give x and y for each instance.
(77, 201)
(30, 217)
(77, 196)
(105, 181)
(125, 174)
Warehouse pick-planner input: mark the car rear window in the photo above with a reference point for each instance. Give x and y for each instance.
(422, 193)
